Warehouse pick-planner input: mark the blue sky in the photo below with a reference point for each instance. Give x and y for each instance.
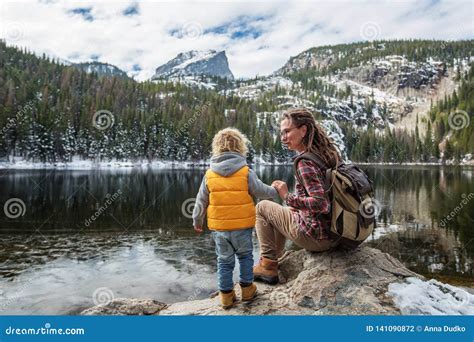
(258, 37)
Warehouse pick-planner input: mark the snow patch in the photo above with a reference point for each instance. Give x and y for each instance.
(419, 297)
(81, 164)
(382, 230)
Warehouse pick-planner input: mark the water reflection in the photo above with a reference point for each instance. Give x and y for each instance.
(53, 274)
(141, 244)
(413, 226)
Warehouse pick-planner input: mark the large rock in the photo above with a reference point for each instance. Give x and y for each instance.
(335, 282)
(127, 307)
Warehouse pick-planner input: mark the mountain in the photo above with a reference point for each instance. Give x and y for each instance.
(373, 88)
(196, 63)
(333, 58)
(390, 101)
(101, 69)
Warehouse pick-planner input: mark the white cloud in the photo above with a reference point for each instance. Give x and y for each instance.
(285, 28)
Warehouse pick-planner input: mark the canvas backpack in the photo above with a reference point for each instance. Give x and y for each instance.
(352, 204)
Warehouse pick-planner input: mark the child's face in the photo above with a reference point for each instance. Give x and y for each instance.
(291, 135)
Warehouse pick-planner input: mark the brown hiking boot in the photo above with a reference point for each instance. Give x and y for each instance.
(267, 271)
(248, 292)
(227, 299)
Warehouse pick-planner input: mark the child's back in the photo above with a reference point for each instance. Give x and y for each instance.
(225, 196)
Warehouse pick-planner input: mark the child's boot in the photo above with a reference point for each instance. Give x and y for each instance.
(248, 292)
(227, 299)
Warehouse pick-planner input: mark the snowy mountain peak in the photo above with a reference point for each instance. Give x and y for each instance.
(196, 63)
(102, 69)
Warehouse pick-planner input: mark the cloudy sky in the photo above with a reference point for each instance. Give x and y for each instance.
(258, 36)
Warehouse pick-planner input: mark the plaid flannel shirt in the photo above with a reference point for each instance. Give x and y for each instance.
(308, 211)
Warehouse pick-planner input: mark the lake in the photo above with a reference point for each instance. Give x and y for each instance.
(72, 239)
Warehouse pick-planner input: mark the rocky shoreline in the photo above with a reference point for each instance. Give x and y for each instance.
(337, 282)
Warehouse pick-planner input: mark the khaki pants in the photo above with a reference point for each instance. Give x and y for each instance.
(275, 224)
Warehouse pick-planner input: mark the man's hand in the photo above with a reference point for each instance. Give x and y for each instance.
(281, 187)
(198, 229)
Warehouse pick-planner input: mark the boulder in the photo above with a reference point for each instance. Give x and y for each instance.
(337, 282)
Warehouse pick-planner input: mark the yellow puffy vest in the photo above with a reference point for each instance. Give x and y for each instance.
(230, 205)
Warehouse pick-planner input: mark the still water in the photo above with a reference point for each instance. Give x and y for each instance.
(71, 239)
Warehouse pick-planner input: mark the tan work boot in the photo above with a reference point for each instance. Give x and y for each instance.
(266, 270)
(227, 299)
(248, 292)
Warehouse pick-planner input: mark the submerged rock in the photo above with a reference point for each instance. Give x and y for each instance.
(336, 282)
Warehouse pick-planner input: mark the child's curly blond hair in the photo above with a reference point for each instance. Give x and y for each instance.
(229, 140)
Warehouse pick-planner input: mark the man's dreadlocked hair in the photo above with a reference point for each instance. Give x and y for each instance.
(316, 140)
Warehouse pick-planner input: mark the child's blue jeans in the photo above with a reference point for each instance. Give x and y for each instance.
(228, 245)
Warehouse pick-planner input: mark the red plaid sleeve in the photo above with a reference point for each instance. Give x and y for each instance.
(314, 200)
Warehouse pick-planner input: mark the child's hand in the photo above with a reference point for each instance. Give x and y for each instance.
(275, 182)
(198, 229)
(281, 187)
